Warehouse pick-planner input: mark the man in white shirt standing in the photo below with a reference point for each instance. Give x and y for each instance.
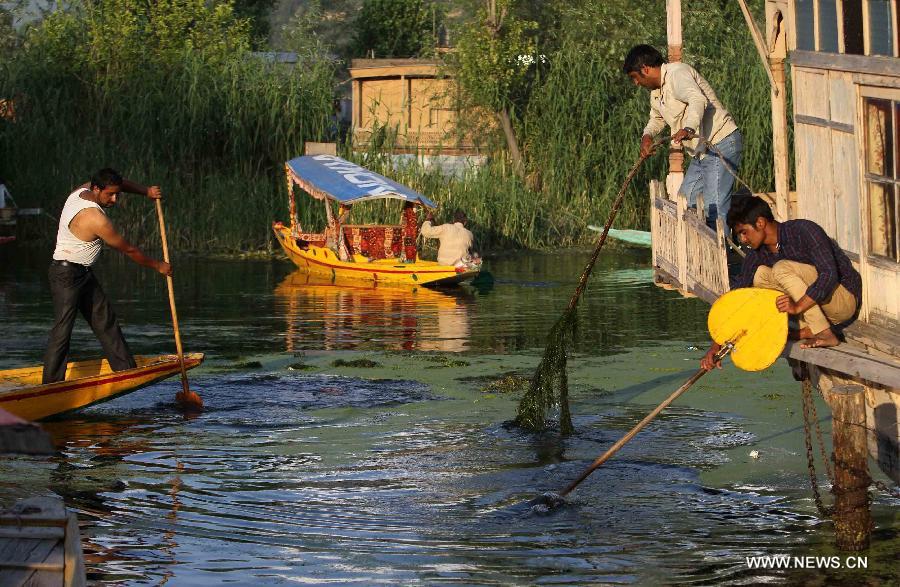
(682, 100)
(456, 239)
(83, 229)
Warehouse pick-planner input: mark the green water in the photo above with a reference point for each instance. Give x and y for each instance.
(404, 472)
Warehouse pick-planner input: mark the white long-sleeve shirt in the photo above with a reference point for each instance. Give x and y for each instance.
(456, 240)
(686, 100)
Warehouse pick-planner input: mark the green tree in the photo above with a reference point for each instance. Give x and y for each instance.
(9, 39)
(257, 13)
(119, 37)
(396, 28)
(494, 63)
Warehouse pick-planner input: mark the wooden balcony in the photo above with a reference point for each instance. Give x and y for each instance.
(690, 258)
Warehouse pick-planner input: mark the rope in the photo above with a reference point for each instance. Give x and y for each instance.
(725, 162)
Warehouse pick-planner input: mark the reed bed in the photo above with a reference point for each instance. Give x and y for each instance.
(214, 133)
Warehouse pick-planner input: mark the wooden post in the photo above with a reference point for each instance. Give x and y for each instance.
(775, 25)
(356, 111)
(721, 235)
(852, 518)
(681, 239)
(673, 29)
(655, 189)
(673, 36)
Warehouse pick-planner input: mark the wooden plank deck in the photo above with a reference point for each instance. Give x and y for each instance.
(40, 545)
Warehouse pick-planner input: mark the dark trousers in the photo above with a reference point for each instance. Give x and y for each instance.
(75, 289)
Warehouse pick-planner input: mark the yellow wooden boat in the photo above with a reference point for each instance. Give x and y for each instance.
(380, 253)
(87, 383)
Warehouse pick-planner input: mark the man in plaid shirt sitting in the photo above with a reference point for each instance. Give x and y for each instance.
(796, 257)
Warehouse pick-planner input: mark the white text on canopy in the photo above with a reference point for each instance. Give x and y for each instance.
(358, 176)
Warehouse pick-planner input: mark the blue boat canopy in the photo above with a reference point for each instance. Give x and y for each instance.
(333, 178)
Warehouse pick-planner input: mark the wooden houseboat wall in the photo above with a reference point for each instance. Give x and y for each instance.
(414, 100)
(845, 83)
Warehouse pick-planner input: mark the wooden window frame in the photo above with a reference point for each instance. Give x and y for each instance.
(866, 93)
(867, 34)
(867, 37)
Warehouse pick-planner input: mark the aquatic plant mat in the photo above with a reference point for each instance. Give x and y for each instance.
(549, 386)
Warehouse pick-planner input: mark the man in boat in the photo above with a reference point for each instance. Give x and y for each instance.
(83, 228)
(685, 102)
(796, 257)
(456, 240)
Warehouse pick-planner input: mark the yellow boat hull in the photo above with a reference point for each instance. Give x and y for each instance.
(87, 383)
(322, 262)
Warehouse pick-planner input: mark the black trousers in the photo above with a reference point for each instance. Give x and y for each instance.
(75, 289)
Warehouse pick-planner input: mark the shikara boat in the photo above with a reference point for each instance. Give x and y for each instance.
(362, 252)
(87, 383)
(638, 238)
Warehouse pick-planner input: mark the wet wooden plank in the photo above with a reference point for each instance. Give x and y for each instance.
(40, 544)
(850, 360)
(74, 574)
(22, 559)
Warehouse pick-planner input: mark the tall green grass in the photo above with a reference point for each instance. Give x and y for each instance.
(212, 129)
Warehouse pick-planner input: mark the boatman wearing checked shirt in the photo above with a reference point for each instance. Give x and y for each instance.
(83, 228)
(796, 257)
(683, 100)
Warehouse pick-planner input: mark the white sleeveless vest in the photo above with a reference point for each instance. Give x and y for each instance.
(68, 246)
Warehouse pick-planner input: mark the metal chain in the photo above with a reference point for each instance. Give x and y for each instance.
(810, 459)
(892, 491)
(829, 471)
(809, 412)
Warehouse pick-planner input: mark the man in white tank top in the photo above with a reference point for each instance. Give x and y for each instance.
(83, 228)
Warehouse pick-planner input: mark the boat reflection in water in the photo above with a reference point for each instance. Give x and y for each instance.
(333, 315)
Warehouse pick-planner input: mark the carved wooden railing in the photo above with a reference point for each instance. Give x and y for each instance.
(687, 254)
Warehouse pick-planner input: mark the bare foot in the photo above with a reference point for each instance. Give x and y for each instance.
(801, 334)
(826, 338)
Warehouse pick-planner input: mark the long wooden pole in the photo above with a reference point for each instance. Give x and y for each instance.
(185, 397)
(726, 348)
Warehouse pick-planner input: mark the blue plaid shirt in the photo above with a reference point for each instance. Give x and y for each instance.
(804, 241)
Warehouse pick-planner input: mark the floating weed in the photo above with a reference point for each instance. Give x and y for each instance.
(357, 363)
(600, 391)
(300, 367)
(445, 361)
(483, 380)
(247, 365)
(507, 384)
(773, 396)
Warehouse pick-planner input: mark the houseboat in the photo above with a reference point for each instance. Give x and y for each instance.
(845, 86)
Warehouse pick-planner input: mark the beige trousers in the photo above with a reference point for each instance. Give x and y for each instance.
(794, 279)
